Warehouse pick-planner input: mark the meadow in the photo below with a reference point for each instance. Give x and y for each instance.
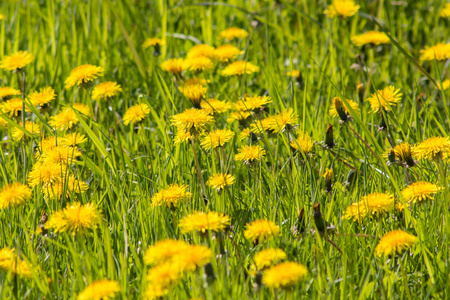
(224, 150)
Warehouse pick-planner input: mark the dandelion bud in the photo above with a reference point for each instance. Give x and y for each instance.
(209, 276)
(351, 179)
(301, 221)
(328, 175)
(329, 141)
(360, 89)
(391, 157)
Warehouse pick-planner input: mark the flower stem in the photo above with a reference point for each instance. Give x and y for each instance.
(22, 90)
(199, 171)
(364, 142)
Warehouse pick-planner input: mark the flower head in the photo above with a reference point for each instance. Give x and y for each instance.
(284, 275)
(161, 277)
(213, 106)
(100, 290)
(395, 242)
(195, 93)
(151, 42)
(445, 12)
(339, 109)
(250, 154)
(240, 68)
(192, 119)
(171, 196)
(404, 154)
(240, 116)
(439, 51)
(233, 33)
(286, 119)
(268, 257)
(45, 174)
(60, 154)
(11, 262)
(68, 186)
(12, 106)
(31, 127)
(83, 76)
(106, 90)
(65, 120)
(252, 103)
(14, 194)
(220, 181)
(445, 85)
(371, 37)
(342, 8)
(203, 222)
(193, 257)
(303, 142)
(420, 191)
(384, 99)
(226, 53)
(198, 64)
(432, 148)
(261, 230)
(294, 73)
(136, 113)
(163, 251)
(73, 139)
(216, 138)
(44, 96)
(261, 126)
(201, 51)
(372, 204)
(182, 136)
(7, 91)
(16, 60)
(74, 218)
(173, 65)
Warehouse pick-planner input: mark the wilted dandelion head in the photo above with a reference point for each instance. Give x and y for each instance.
(202, 222)
(151, 42)
(198, 64)
(192, 119)
(11, 262)
(341, 8)
(261, 230)
(16, 60)
(339, 109)
(284, 275)
(173, 65)
(394, 242)
(267, 257)
(420, 191)
(14, 194)
(233, 33)
(434, 148)
(31, 127)
(136, 113)
(384, 99)
(371, 37)
(201, 51)
(100, 290)
(7, 91)
(195, 93)
(83, 76)
(106, 90)
(171, 196)
(225, 53)
(44, 96)
(220, 181)
(216, 138)
(303, 142)
(250, 154)
(193, 257)
(163, 251)
(75, 218)
(214, 106)
(240, 68)
(328, 174)
(439, 51)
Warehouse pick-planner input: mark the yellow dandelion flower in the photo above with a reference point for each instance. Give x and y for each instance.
(261, 230)
(151, 42)
(171, 196)
(106, 90)
(16, 60)
(440, 51)
(155, 291)
(44, 96)
(267, 257)
(31, 127)
(225, 53)
(198, 64)
(445, 85)
(60, 154)
(65, 120)
(81, 108)
(420, 191)
(394, 242)
(73, 139)
(244, 134)
(284, 120)
(74, 218)
(2, 17)
(203, 222)
(293, 73)
(11, 262)
(201, 51)
(284, 275)
(6, 92)
(445, 12)
(192, 119)
(213, 106)
(182, 136)
(220, 181)
(261, 126)
(250, 154)
(193, 257)
(339, 109)
(342, 8)
(240, 68)
(83, 76)
(163, 276)
(163, 251)
(45, 173)
(216, 138)
(328, 175)
(385, 99)
(68, 186)
(14, 194)
(303, 142)
(370, 37)
(173, 65)
(403, 153)
(136, 113)
(252, 103)
(240, 116)
(12, 106)
(195, 93)
(372, 204)
(233, 33)
(3, 122)
(100, 290)
(433, 148)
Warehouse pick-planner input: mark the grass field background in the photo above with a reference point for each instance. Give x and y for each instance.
(125, 166)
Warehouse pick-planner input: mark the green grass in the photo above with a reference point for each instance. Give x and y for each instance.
(125, 167)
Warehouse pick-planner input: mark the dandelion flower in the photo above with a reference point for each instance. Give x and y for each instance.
(404, 153)
(303, 142)
(73, 139)
(370, 37)
(151, 42)
(45, 174)
(244, 134)
(60, 154)
(339, 109)
(6, 92)
(10, 262)
(284, 120)
(267, 257)
(261, 126)
(216, 138)
(198, 64)
(250, 154)
(440, 51)
(233, 33)
(136, 113)
(195, 94)
(372, 204)
(100, 289)
(14, 194)
(342, 8)
(163, 251)
(201, 51)
(394, 242)
(12, 106)
(445, 12)
(173, 65)
(192, 119)
(162, 276)
(420, 191)
(65, 120)
(16, 60)
(74, 218)
(213, 106)
(252, 103)
(225, 53)
(70, 185)
(240, 116)
(445, 85)
(433, 148)
(44, 96)
(220, 181)
(203, 222)
(193, 257)
(171, 196)
(261, 230)
(83, 76)
(293, 73)
(284, 275)
(384, 99)
(240, 68)
(106, 90)
(31, 127)
(182, 136)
